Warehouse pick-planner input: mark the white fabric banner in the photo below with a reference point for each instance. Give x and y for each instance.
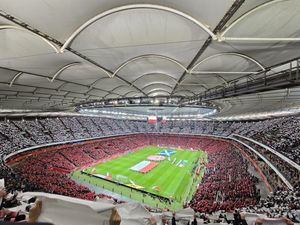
(62, 210)
(133, 214)
(2, 186)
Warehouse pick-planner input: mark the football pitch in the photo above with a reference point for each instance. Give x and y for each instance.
(135, 176)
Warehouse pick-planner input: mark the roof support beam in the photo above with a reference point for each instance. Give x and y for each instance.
(195, 84)
(92, 85)
(13, 27)
(222, 36)
(120, 87)
(273, 81)
(109, 93)
(235, 6)
(130, 7)
(157, 83)
(146, 57)
(222, 78)
(42, 76)
(123, 96)
(15, 78)
(217, 75)
(62, 69)
(225, 72)
(19, 93)
(230, 54)
(58, 43)
(260, 39)
(185, 90)
(242, 17)
(153, 74)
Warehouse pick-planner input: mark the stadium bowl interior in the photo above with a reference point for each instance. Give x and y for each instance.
(150, 112)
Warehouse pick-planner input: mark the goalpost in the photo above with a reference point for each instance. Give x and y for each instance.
(122, 179)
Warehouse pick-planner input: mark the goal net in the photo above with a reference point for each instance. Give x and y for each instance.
(122, 179)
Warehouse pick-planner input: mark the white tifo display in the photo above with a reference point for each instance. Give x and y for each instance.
(62, 210)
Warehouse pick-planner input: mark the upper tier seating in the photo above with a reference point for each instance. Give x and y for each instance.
(281, 134)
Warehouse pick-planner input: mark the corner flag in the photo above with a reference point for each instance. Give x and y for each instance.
(156, 187)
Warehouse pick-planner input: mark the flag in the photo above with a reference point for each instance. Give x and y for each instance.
(152, 119)
(108, 176)
(156, 187)
(131, 182)
(93, 171)
(135, 186)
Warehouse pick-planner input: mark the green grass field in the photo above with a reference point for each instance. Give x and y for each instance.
(177, 183)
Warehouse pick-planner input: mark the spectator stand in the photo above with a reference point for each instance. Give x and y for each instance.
(286, 159)
(279, 174)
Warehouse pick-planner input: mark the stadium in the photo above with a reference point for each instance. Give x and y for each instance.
(150, 112)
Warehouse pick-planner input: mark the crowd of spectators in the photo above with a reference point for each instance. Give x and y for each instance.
(12, 138)
(48, 171)
(236, 190)
(225, 185)
(289, 171)
(56, 129)
(73, 125)
(270, 175)
(281, 134)
(34, 129)
(236, 187)
(280, 203)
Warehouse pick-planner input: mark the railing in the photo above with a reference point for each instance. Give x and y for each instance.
(280, 175)
(250, 84)
(283, 157)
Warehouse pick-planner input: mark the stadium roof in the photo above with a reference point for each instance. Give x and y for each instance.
(57, 53)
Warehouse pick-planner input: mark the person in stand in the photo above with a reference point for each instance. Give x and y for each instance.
(237, 218)
(173, 219)
(258, 196)
(194, 222)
